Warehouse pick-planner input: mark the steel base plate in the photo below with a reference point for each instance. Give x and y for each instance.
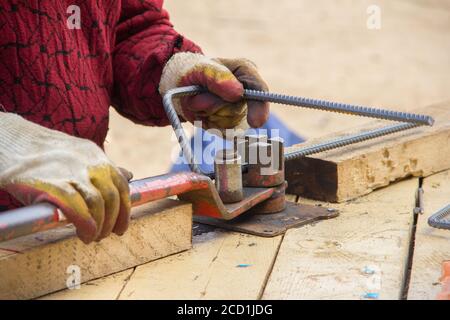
(271, 225)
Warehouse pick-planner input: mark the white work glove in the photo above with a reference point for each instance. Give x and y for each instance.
(42, 165)
(222, 107)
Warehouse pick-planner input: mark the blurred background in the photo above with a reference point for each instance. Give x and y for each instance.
(319, 49)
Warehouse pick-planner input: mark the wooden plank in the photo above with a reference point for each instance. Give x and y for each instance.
(432, 246)
(349, 172)
(334, 259)
(221, 265)
(37, 264)
(106, 288)
(110, 287)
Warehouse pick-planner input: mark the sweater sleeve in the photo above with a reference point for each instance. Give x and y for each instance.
(145, 41)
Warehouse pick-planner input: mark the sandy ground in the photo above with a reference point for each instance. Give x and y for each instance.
(320, 49)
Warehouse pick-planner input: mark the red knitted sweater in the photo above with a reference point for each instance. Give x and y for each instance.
(65, 78)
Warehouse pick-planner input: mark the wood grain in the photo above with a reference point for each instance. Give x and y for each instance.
(352, 171)
(106, 288)
(333, 259)
(221, 265)
(36, 265)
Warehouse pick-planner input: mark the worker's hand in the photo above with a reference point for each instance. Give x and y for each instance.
(222, 107)
(42, 165)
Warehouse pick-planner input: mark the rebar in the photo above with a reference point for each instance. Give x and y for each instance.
(176, 124)
(410, 120)
(439, 219)
(338, 107)
(347, 140)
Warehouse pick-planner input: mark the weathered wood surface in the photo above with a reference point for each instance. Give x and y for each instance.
(106, 288)
(432, 246)
(221, 265)
(334, 259)
(37, 264)
(349, 172)
(331, 259)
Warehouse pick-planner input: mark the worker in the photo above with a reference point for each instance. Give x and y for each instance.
(59, 74)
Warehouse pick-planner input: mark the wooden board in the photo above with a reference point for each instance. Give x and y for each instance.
(222, 265)
(349, 172)
(432, 246)
(334, 259)
(37, 264)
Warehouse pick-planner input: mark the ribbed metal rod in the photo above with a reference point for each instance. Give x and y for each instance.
(410, 120)
(21, 222)
(339, 107)
(344, 141)
(439, 219)
(176, 124)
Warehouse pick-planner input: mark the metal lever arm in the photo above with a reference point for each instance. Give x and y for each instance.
(43, 216)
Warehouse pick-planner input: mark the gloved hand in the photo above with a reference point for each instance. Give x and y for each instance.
(223, 107)
(42, 165)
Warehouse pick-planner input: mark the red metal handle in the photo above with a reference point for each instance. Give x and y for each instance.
(43, 216)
